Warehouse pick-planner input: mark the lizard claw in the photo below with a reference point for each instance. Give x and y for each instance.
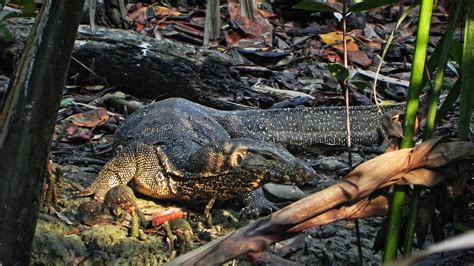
(250, 212)
(257, 205)
(99, 195)
(84, 193)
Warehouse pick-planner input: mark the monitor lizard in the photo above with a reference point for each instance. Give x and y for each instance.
(180, 150)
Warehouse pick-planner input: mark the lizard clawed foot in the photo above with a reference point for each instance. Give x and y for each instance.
(98, 195)
(257, 205)
(250, 212)
(84, 193)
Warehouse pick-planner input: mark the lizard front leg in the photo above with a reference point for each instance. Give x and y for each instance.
(137, 161)
(256, 204)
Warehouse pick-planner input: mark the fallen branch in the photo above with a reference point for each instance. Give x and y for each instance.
(146, 67)
(407, 166)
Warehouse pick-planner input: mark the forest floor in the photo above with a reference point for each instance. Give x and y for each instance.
(61, 238)
(288, 52)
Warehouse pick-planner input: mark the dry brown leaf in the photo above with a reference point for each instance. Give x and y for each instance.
(422, 176)
(359, 58)
(450, 151)
(331, 55)
(260, 30)
(266, 14)
(374, 42)
(363, 208)
(165, 11)
(335, 40)
(91, 118)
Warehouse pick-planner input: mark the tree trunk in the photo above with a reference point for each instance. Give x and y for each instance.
(27, 122)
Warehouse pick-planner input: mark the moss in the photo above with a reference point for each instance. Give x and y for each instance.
(52, 246)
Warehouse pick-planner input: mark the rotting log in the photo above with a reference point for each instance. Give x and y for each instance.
(146, 67)
(27, 122)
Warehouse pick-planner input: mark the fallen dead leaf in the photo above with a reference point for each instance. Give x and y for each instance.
(334, 39)
(260, 30)
(359, 58)
(165, 11)
(331, 55)
(92, 118)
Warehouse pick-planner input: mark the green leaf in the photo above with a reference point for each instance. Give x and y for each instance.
(27, 8)
(8, 36)
(339, 71)
(66, 101)
(360, 84)
(452, 67)
(463, 227)
(467, 68)
(371, 4)
(456, 51)
(448, 103)
(315, 5)
(22, 14)
(25, 5)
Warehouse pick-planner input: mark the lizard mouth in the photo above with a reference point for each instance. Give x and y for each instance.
(290, 173)
(302, 172)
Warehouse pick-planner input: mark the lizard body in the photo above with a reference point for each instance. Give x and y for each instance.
(177, 149)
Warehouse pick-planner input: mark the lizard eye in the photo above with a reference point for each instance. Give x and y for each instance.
(238, 159)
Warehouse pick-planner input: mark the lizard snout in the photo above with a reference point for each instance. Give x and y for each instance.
(303, 172)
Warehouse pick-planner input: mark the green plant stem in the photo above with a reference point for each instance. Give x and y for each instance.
(411, 223)
(467, 93)
(416, 80)
(394, 224)
(431, 117)
(438, 84)
(448, 103)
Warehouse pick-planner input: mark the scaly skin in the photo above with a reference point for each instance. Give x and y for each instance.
(177, 149)
(226, 169)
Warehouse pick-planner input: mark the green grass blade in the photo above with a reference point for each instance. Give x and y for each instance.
(448, 103)
(467, 92)
(444, 56)
(387, 46)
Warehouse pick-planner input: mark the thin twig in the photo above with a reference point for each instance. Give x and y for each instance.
(348, 118)
(385, 50)
(90, 70)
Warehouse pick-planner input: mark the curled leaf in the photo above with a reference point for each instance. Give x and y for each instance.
(91, 118)
(335, 39)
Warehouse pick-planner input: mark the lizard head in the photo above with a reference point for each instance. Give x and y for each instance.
(251, 161)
